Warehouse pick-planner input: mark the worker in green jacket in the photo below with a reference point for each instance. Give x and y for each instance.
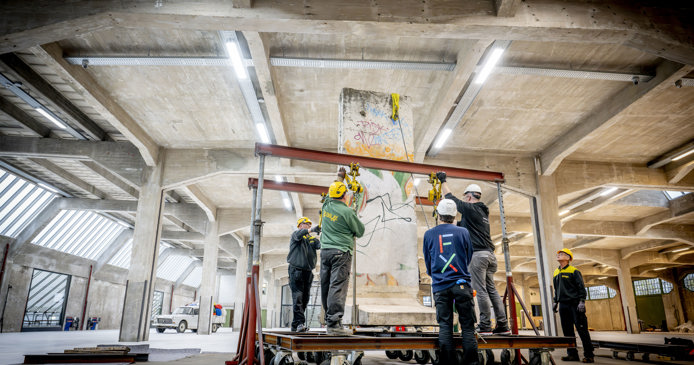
(340, 225)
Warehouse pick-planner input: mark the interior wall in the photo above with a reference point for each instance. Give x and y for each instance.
(605, 314)
(687, 296)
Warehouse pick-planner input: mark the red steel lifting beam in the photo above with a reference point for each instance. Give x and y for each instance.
(373, 163)
(306, 188)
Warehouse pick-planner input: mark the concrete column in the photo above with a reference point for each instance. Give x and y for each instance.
(209, 275)
(240, 290)
(143, 262)
(548, 240)
(626, 291)
(271, 299)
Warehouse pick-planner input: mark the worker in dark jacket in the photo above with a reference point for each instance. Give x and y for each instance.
(340, 226)
(474, 215)
(569, 300)
(302, 261)
(447, 254)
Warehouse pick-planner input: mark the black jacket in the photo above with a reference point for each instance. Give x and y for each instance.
(302, 250)
(475, 217)
(568, 285)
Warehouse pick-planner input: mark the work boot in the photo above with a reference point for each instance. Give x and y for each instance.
(292, 329)
(570, 358)
(484, 331)
(501, 330)
(339, 331)
(588, 360)
(301, 328)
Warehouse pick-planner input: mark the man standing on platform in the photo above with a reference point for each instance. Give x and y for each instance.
(447, 254)
(569, 300)
(474, 215)
(302, 261)
(340, 226)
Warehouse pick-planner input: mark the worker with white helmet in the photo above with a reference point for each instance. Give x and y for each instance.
(340, 225)
(302, 260)
(474, 215)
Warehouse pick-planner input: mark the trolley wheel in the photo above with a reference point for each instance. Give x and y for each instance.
(630, 355)
(310, 357)
(645, 356)
(301, 355)
(391, 354)
(161, 329)
(405, 355)
(615, 354)
(490, 357)
(436, 357)
(321, 356)
(269, 356)
(505, 357)
(421, 356)
(285, 360)
(535, 358)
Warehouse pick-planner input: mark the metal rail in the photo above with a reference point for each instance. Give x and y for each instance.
(373, 163)
(363, 341)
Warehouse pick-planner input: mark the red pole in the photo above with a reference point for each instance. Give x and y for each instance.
(86, 296)
(4, 261)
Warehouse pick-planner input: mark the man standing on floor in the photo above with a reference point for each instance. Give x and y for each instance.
(569, 300)
(340, 226)
(302, 261)
(474, 215)
(447, 254)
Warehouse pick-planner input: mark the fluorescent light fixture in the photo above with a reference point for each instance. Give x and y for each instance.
(681, 249)
(50, 117)
(442, 138)
(287, 203)
(608, 191)
(417, 181)
(236, 60)
(489, 64)
(602, 278)
(683, 155)
(660, 268)
(49, 188)
(262, 131)
(565, 212)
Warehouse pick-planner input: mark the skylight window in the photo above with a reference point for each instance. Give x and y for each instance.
(674, 194)
(20, 202)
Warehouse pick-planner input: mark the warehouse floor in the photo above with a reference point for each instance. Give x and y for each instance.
(190, 349)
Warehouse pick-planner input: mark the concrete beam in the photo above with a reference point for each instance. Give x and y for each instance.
(593, 201)
(232, 220)
(98, 205)
(603, 116)
(606, 257)
(98, 98)
(677, 208)
(121, 183)
(584, 241)
(182, 236)
(35, 226)
(271, 261)
(112, 249)
(184, 275)
(188, 213)
(506, 8)
(657, 31)
(38, 84)
(69, 179)
(448, 95)
(576, 176)
(242, 4)
(27, 121)
(645, 246)
(202, 201)
(123, 159)
(644, 198)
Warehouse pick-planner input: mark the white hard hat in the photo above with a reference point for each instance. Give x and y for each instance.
(473, 188)
(447, 207)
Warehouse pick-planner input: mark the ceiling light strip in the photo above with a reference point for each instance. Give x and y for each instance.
(153, 61)
(463, 105)
(360, 64)
(571, 74)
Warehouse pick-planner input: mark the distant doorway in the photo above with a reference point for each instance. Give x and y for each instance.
(48, 293)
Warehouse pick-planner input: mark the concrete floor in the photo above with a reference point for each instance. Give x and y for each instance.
(190, 349)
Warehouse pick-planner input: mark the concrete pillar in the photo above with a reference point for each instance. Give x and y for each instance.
(548, 240)
(143, 262)
(626, 291)
(209, 276)
(241, 275)
(271, 305)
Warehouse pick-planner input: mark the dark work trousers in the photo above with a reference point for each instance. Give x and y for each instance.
(300, 283)
(461, 298)
(570, 316)
(335, 267)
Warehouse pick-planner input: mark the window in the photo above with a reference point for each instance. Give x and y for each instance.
(674, 194)
(600, 292)
(46, 302)
(688, 282)
(157, 302)
(20, 202)
(536, 309)
(653, 286)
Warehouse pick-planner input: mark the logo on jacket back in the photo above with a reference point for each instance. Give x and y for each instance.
(332, 217)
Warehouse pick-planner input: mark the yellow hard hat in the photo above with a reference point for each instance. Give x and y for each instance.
(568, 252)
(303, 220)
(337, 189)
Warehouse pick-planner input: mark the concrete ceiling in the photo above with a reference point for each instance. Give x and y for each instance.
(514, 119)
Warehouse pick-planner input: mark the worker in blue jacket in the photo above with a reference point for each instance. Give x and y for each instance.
(447, 254)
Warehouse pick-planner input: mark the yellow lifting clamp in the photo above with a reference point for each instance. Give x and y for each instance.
(435, 192)
(351, 179)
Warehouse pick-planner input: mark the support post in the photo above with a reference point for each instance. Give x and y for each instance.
(86, 297)
(626, 292)
(509, 276)
(209, 275)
